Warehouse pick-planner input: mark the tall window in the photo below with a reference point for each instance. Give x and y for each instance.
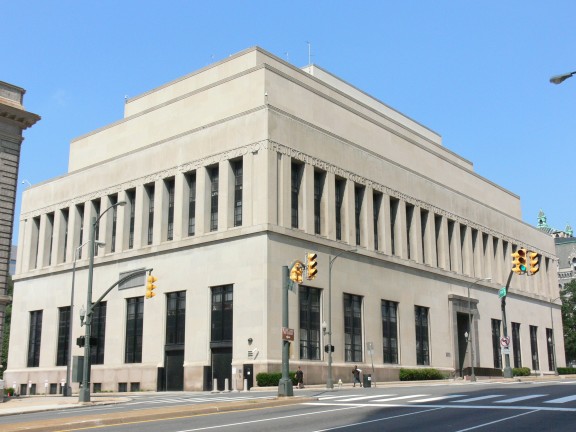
(390, 331)
(319, 177)
(517, 351)
(309, 299)
(213, 175)
(150, 192)
(358, 198)
(34, 338)
(96, 206)
(80, 208)
(170, 219)
(422, 336)
(423, 232)
(98, 332)
(496, 353)
(394, 205)
(237, 169)
(65, 214)
(50, 226)
(409, 219)
(62, 354)
(191, 178)
(134, 329)
(437, 231)
(534, 347)
(296, 180)
(131, 196)
(377, 197)
(113, 202)
(222, 314)
(175, 317)
(550, 345)
(451, 225)
(352, 328)
(339, 192)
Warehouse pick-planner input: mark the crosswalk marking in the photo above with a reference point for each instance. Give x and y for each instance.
(398, 398)
(562, 400)
(520, 398)
(358, 398)
(474, 399)
(434, 399)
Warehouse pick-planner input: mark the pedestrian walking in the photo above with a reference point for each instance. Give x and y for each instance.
(356, 375)
(300, 377)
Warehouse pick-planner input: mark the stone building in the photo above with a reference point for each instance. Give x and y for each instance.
(231, 173)
(14, 119)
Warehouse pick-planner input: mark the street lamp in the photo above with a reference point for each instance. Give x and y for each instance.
(85, 390)
(67, 389)
(553, 338)
(470, 323)
(330, 381)
(557, 79)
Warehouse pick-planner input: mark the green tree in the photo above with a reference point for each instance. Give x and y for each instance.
(568, 295)
(6, 331)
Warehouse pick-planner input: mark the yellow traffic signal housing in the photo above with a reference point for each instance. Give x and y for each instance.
(296, 273)
(150, 287)
(311, 265)
(519, 261)
(534, 260)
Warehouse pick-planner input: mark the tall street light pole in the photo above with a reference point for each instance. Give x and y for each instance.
(471, 324)
(557, 79)
(553, 337)
(85, 390)
(67, 389)
(330, 381)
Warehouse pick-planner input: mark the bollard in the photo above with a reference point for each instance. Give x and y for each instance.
(215, 386)
(246, 385)
(226, 385)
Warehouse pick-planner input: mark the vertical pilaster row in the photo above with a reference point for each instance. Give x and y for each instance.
(428, 238)
(384, 219)
(122, 215)
(348, 226)
(368, 217)
(307, 193)
(467, 250)
(330, 205)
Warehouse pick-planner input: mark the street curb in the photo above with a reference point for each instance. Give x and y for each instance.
(172, 412)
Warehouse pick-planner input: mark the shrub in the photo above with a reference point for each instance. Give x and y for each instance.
(9, 391)
(271, 379)
(523, 371)
(420, 374)
(566, 371)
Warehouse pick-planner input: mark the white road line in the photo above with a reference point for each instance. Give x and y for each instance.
(362, 398)
(520, 398)
(434, 399)
(333, 397)
(399, 398)
(477, 398)
(496, 421)
(562, 400)
(462, 407)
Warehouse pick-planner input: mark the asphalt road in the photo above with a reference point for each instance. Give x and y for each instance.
(459, 407)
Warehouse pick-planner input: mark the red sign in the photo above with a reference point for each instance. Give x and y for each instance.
(287, 334)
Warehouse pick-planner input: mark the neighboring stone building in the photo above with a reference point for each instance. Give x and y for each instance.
(236, 170)
(565, 249)
(14, 119)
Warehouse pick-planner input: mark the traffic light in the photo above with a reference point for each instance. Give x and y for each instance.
(296, 272)
(80, 341)
(519, 261)
(327, 348)
(534, 259)
(311, 264)
(150, 287)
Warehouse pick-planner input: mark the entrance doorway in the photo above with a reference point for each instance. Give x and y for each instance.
(174, 370)
(463, 328)
(222, 366)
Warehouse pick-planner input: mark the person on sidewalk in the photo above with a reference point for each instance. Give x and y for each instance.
(300, 377)
(356, 374)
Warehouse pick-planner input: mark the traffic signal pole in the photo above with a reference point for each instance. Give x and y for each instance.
(507, 370)
(285, 387)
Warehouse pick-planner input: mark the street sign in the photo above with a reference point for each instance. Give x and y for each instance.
(287, 334)
(502, 292)
(505, 341)
(505, 351)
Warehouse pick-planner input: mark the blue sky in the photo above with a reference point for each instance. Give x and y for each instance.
(476, 72)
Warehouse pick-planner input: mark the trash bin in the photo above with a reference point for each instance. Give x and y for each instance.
(367, 380)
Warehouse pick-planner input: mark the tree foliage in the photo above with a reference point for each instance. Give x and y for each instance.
(568, 296)
(6, 329)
